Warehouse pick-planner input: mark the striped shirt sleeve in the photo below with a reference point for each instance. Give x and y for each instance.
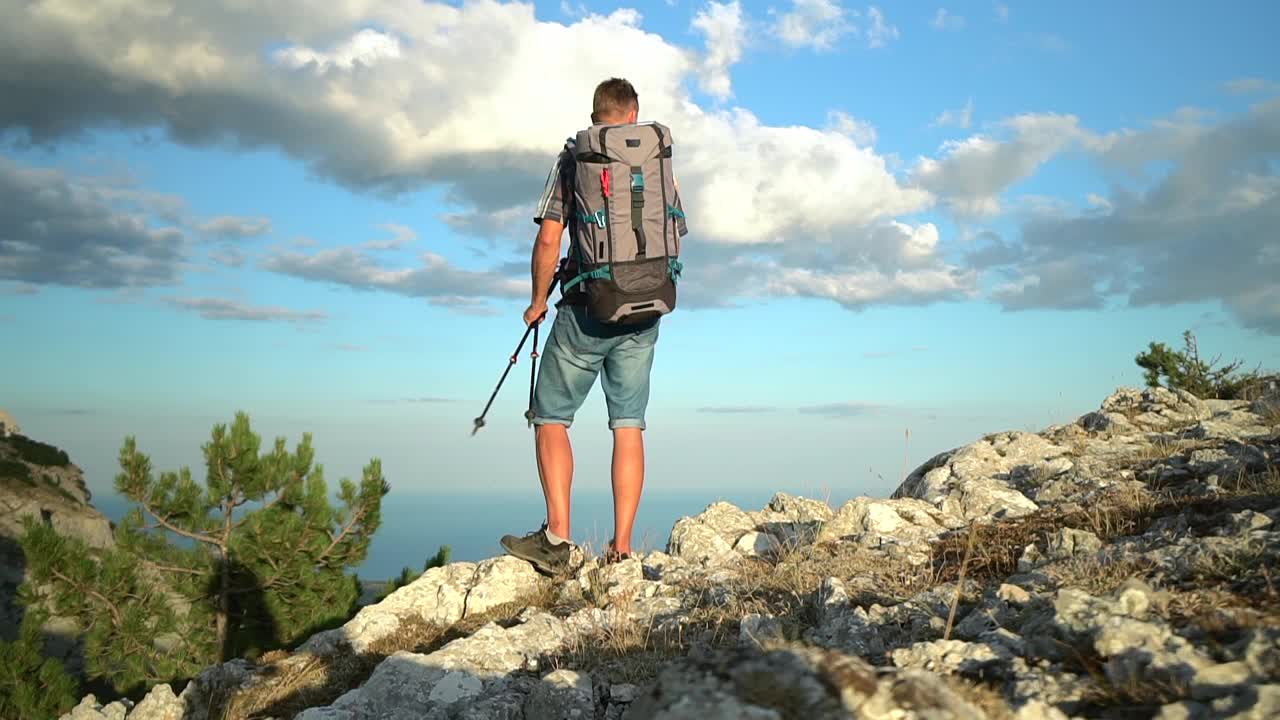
(557, 195)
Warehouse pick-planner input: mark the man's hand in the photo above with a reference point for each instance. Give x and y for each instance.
(535, 313)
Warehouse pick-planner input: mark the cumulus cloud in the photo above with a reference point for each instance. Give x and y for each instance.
(1202, 231)
(60, 230)
(972, 173)
(723, 26)
(224, 309)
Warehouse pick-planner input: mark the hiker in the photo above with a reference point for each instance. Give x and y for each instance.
(617, 280)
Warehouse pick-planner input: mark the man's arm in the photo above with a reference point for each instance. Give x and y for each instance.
(546, 255)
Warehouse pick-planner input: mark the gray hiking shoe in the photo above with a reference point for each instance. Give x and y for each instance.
(536, 549)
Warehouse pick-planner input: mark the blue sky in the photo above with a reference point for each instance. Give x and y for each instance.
(942, 219)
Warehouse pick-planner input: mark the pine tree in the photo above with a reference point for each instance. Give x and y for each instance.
(1186, 371)
(33, 686)
(254, 559)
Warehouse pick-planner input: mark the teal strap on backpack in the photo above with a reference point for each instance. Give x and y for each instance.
(596, 218)
(674, 211)
(600, 272)
(674, 266)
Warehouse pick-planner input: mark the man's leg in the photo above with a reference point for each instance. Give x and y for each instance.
(555, 470)
(628, 481)
(625, 380)
(570, 364)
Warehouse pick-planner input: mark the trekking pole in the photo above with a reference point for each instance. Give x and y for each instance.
(533, 327)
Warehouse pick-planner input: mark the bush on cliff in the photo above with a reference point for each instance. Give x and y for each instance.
(253, 559)
(31, 685)
(1186, 371)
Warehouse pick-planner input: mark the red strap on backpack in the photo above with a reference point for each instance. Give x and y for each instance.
(604, 181)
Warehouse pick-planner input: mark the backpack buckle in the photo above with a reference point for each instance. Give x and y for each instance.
(637, 182)
(599, 217)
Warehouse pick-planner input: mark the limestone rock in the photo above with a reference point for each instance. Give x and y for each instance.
(562, 695)
(441, 595)
(903, 521)
(795, 683)
(977, 481)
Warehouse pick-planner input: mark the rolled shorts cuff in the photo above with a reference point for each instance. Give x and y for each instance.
(567, 422)
(615, 423)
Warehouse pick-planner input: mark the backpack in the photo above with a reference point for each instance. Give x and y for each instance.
(625, 233)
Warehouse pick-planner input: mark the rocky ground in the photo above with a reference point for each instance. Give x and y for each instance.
(1125, 565)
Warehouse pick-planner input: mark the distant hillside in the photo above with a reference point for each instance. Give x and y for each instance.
(39, 480)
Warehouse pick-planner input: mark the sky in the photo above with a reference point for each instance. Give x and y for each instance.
(911, 224)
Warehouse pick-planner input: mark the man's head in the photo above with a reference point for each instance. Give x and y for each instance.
(615, 103)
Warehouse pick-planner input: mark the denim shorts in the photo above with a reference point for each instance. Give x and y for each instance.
(579, 348)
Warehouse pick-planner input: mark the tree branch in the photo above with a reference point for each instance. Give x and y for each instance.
(115, 611)
(172, 568)
(268, 506)
(354, 519)
(164, 523)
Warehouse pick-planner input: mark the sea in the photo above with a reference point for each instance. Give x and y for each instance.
(414, 526)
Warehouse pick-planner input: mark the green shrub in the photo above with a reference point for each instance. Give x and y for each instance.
(38, 453)
(1186, 371)
(33, 686)
(12, 469)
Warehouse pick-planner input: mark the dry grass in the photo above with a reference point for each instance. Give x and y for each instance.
(1265, 483)
(1098, 577)
(986, 699)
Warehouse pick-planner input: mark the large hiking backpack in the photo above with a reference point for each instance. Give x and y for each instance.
(625, 235)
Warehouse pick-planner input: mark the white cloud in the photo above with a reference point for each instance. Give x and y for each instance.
(961, 118)
(401, 235)
(397, 96)
(1250, 86)
(224, 309)
(880, 32)
(61, 230)
(230, 227)
(946, 20)
(725, 31)
(860, 131)
(817, 24)
(974, 172)
(434, 278)
(1202, 230)
(366, 48)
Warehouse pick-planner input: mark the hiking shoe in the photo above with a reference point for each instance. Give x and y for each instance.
(612, 556)
(536, 549)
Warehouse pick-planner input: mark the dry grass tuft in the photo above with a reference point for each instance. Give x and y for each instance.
(1136, 696)
(1098, 576)
(986, 699)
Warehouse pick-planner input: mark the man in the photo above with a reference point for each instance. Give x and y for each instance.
(578, 348)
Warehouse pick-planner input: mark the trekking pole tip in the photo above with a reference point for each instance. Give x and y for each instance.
(479, 423)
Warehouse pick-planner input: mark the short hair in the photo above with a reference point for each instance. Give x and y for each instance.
(612, 98)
